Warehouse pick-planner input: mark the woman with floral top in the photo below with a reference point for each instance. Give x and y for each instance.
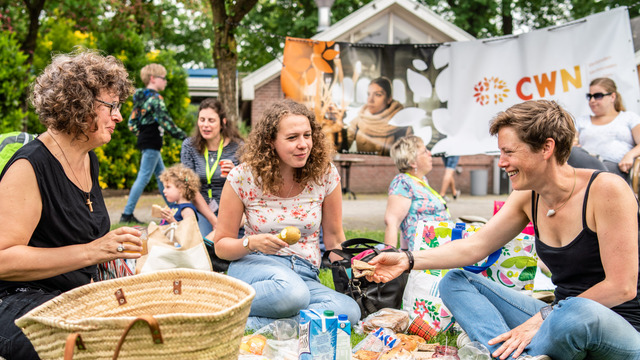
(411, 199)
(286, 178)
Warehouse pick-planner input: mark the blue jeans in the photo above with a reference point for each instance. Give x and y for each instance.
(577, 328)
(285, 285)
(13, 343)
(150, 164)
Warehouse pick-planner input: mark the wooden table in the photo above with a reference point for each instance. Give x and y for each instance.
(345, 167)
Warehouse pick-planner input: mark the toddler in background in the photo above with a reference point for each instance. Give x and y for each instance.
(181, 185)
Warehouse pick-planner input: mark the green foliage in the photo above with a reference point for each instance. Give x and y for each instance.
(262, 31)
(14, 81)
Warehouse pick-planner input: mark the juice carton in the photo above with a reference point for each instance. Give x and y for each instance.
(317, 335)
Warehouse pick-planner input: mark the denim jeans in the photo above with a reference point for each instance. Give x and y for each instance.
(577, 328)
(13, 343)
(285, 285)
(150, 164)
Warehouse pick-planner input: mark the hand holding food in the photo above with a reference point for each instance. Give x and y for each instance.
(361, 268)
(290, 235)
(156, 210)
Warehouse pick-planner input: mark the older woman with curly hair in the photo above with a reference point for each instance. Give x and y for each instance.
(286, 178)
(55, 222)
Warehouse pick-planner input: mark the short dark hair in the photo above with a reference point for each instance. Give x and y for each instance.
(536, 121)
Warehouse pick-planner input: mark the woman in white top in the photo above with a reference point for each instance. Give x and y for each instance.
(609, 137)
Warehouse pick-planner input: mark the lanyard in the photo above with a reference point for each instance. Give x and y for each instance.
(211, 170)
(435, 193)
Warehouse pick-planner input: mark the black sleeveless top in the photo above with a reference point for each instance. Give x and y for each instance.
(65, 218)
(577, 266)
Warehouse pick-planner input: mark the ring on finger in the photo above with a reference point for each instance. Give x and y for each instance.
(120, 248)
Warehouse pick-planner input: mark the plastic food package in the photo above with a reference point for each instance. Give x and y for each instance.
(474, 351)
(377, 341)
(446, 353)
(394, 319)
(278, 331)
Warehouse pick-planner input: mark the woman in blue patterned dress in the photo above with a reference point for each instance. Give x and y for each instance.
(411, 199)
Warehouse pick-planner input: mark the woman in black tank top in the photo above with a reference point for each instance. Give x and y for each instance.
(586, 227)
(55, 223)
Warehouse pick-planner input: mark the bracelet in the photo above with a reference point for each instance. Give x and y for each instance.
(545, 311)
(411, 260)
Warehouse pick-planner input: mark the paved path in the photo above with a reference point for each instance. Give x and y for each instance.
(365, 213)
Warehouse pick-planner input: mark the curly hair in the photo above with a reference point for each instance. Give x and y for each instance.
(405, 151)
(260, 154)
(64, 94)
(228, 129)
(537, 120)
(183, 178)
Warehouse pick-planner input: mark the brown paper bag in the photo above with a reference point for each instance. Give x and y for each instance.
(177, 245)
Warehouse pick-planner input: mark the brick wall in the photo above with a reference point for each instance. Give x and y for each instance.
(265, 95)
(374, 173)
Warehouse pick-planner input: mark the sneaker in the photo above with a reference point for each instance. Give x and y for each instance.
(463, 339)
(537, 357)
(455, 196)
(130, 219)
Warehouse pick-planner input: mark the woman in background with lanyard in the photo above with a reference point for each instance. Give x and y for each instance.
(411, 199)
(211, 153)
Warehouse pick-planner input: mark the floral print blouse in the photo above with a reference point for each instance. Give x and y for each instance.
(425, 206)
(266, 213)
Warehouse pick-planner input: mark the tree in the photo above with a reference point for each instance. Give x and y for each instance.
(227, 15)
(490, 18)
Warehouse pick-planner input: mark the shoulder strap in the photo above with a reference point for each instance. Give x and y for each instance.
(586, 196)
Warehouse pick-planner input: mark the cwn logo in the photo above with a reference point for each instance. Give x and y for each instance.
(490, 90)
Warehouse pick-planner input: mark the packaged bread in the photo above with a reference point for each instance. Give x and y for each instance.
(361, 268)
(365, 355)
(388, 318)
(156, 210)
(415, 338)
(397, 353)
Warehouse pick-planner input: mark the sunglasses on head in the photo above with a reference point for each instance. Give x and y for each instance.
(597, 96)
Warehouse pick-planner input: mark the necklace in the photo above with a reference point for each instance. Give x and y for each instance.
(290, 188)
(552, 212)
(88, 202)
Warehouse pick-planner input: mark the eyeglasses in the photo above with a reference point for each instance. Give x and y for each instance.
(597, 96)
(112, 106)
(160, 77)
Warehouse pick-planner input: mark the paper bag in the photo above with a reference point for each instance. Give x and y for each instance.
(177, 245)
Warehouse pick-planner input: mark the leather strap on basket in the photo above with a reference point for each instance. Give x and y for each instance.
(153, 326)
(73, 340)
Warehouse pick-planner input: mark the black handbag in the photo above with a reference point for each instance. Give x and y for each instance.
(370, 296)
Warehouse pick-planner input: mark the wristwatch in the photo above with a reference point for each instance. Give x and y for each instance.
(545, 311)
(245, 243)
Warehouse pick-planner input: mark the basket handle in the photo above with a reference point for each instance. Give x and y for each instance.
(73, 340)
(154, 327)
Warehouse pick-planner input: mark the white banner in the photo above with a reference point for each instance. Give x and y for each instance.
(485, 77)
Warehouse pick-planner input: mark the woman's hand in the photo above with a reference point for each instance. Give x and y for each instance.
(167, 215)
(388, 266)
(106, 248)
(626, 163)
(266, 243)
(517, 339)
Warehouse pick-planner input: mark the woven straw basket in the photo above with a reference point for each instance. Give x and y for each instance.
(200, 315)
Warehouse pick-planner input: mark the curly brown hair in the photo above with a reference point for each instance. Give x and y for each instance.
(183, 178)
(260, 154)
(228, 130)
(64, 94)
(537, 120)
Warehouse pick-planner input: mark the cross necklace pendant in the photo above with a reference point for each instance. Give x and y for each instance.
(88, 202)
